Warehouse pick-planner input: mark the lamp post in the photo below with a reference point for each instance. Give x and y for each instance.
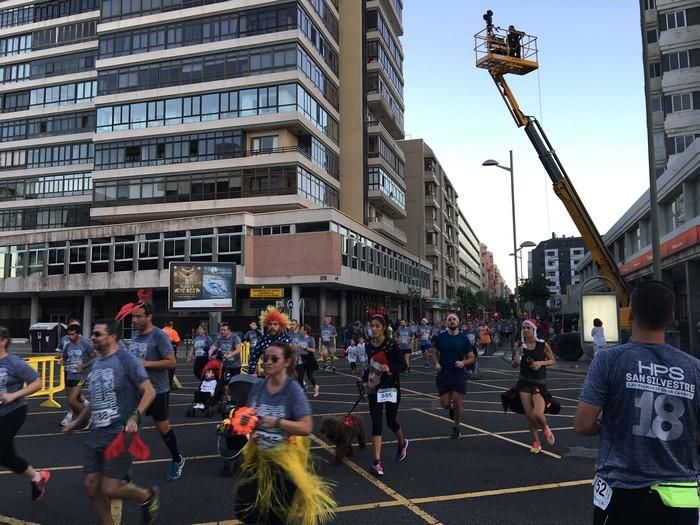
(525, 244)
(509, 169)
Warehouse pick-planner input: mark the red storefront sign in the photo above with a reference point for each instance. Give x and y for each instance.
(675, 245)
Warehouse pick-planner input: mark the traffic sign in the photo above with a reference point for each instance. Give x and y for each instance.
(290, 304)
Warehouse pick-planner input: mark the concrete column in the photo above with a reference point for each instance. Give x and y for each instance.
(296, 298)
(87, 313)
(343, 308)
(692, 286)
(34, 310)
(321, 306)
(214, 322)
(689, 200)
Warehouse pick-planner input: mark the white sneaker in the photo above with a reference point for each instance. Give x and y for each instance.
(199, 406)
(67, 418)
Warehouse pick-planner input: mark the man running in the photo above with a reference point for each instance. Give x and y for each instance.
(473, 335)
(117, 381)
(425, 333)
(452, 354)
(155, 351)
(648, 465)
(87, 345)
(76, 358)
(227, 347)
(328, 335)
(404, 338)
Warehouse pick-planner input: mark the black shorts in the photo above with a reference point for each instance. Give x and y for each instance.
(407, 350)
(72, 383)
(160, 408)
(95, 463)
(454, 380)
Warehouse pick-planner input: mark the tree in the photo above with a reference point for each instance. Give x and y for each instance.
(466, 299)
(535, 290)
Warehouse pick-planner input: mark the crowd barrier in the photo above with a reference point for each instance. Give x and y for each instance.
(53, 379)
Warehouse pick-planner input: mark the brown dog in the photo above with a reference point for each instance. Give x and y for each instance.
(342, 431)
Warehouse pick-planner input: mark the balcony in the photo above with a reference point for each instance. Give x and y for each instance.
(387, 229)
(385, 204)
(430, 175)
(384, 105)
(432, 200)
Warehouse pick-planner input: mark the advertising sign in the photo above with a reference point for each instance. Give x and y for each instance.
(601, 306)
(202, 286)
(266, 293)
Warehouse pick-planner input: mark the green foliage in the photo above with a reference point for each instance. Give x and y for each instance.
(534, 290)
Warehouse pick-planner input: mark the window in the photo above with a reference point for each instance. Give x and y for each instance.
(652, 36)
(676, 103)
(264, 144)
(656, 103)
(676, 145)
(659, 138)
(678, 211)
(655, 69)
(132, 154)
(676, 60)
(649, 4)
(674, 20)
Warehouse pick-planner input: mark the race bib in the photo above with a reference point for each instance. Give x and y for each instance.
(602, 492)
(102, 415)
(387, 395)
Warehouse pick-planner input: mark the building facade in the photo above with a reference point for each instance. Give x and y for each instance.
(133, 134)
(491, 281)
(469, 255)
(556, 260)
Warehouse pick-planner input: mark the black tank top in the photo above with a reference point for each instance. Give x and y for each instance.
(536, 354)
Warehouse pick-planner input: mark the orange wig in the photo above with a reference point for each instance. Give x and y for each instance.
(271, 315)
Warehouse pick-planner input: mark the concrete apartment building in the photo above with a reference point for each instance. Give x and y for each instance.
(134, 134)
(433, 224)
(556, 260)
(673, 32)
(491, 281)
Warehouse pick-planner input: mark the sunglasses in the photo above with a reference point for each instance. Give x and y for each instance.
(272, 358)
(98, 334)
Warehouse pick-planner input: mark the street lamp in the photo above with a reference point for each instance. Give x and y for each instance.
(509, 169)
(526, 244)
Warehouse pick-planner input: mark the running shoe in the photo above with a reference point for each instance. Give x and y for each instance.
(150, 507)
(549, 436)
(176, 469)
(333, 370)
(67, 418)
(377, 469)
(456, 434)
(536, 448)
(402, 452)
(39, 487)
(317, 389)
(426, 365)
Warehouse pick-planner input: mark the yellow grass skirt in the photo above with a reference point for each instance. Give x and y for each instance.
(312, 502)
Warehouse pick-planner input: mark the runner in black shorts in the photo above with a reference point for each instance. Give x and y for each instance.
(453, 352)
(76, 357)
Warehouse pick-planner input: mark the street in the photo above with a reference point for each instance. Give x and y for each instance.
(487, 477)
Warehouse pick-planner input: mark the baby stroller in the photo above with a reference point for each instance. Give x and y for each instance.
(231, 446)
(204, 402)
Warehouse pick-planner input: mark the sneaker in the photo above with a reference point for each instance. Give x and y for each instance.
(377, 469)
(549, 436)
(402, 451)
(149, 508)
(317, 389)
(88, 424)
(456, 433)
(176, 469)
(536, 448)
(333, 370)
(426, 365)
(67, 418)
(39, 487)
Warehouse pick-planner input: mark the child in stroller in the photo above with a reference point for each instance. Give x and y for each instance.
(230, 445)
(210, 390)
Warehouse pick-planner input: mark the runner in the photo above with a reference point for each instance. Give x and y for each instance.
(382, 383)
(14, 374)
(85, 343)
(76, 358)
(647, 467)
(533, 398)
(227, 348)
(328, 335)
(453, 353)
(252, 335)
(277, 484)
(425, 345)
(404, 337)
(199, 349)
(155, 351)
(307, 363)
(275, 323)
(473, 336)
(117, 381)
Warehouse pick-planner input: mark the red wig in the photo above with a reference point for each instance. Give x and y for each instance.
(272, 315)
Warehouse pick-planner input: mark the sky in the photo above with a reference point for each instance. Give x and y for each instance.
(588, 94)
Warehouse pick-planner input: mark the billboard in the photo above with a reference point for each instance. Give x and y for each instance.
(202, 286)
(602, 306)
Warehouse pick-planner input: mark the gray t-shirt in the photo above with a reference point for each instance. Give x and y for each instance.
(327, 334)
(303, 344)
(404, 334)
(201, 345)
(75, 355)
(153, 346)
(229, 345)
(289, 403)
(650, 414)
(114, 394)
(14, 373)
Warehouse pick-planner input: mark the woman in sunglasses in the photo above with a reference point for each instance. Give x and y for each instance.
(277, 484)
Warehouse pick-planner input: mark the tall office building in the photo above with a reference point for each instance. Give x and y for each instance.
(556, 260)
(135, 133)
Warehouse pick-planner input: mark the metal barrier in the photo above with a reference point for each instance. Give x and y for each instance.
(47, 367)
(245, 359)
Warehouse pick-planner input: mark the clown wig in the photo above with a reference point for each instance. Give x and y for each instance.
(272, 315)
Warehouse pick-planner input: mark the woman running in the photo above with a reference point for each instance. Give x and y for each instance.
(277, 483)
(14, 373)
(306, 358)
(200, 350)
(530, 395)
(386, 363)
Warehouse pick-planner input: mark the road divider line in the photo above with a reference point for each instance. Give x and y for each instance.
(116, 511)
(7, 520)
(386, 489)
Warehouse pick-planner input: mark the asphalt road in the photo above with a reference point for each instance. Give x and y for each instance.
(487, 477)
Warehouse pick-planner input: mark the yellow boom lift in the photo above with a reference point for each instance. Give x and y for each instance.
(502, 51)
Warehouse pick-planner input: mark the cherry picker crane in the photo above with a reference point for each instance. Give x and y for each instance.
(501, 52)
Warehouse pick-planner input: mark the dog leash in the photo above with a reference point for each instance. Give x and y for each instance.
(361, 391)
